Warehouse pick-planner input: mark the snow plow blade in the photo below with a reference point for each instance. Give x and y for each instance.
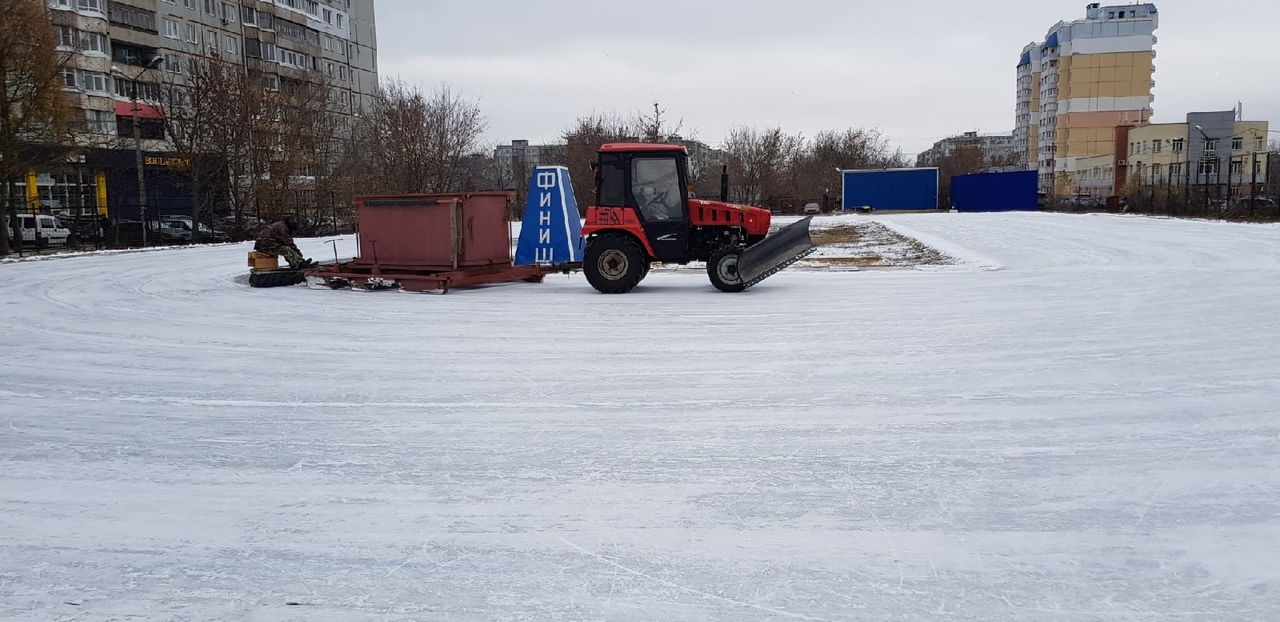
(776, 252)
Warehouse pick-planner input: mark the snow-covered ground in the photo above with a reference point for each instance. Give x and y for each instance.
(1077, 420)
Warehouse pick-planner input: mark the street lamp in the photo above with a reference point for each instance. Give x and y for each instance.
(1203, 169)
(137, 138)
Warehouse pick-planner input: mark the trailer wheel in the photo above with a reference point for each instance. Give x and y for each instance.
(722, 269)
(613, 264)
(276, 278)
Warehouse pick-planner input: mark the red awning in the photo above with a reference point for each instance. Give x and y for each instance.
(145, 111)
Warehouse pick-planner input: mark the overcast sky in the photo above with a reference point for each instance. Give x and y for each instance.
(917, 70)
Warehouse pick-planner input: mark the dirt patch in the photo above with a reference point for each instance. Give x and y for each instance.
(868, 244)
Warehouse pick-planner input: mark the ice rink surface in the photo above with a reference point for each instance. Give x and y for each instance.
(1080, 421)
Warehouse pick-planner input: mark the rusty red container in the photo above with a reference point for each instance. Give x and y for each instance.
(434, 231)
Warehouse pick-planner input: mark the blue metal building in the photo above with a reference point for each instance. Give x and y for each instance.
(890, 189)
(994, 192)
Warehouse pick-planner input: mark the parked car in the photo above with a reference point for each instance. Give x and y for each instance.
(1256, 203)
(812, 208)
(39, 230)
(181, 225)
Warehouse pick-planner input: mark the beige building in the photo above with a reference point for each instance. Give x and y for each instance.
(1095, 75)
(1211, 149)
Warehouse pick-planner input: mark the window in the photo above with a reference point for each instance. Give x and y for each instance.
(93, 81)
(97, 6)
(66, 37)
(1175, 170)
(1257, 166)
(1210, 145)
(147, 128)
(100, 121)
(132, 17)
(294, 59)
(1156, 146)
(1237, 143)
(1237, 167)
(1178, 144)
(190, 4)
(60, 4)
(193, 34)
(248, 16)
(211, 7)
(147, 91)
(171, 29)
(1155, 171)
(93, 42)
(229, 13)
(231, 45)
(1208, 167)
(655, 189)
(68, 76)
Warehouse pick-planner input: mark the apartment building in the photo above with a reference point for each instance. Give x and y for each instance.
(996, 149)
(123, 53)
(1026, 130)
(1087, 78)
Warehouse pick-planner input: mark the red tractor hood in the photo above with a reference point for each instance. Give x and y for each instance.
(706, 213)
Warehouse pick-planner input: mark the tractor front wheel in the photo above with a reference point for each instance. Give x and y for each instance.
(613, 264)
(722, 269)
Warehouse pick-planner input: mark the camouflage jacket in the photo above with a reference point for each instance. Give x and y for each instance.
(275, 235)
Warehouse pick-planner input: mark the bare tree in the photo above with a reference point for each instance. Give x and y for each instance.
(37, 112)
(653, 128)
(759, 163)
(210, 118)
(415, 142)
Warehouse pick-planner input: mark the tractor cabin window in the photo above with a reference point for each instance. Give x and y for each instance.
(611, 184)
(655, 186)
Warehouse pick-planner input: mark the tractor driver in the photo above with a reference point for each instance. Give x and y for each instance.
(653, 204)
(277, 240)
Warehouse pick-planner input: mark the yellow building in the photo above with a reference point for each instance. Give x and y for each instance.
(1211, 150)
(1095, 75)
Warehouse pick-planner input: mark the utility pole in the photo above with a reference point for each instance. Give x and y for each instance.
(137, 142)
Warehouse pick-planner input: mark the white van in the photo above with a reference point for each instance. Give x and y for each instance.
(51, 231)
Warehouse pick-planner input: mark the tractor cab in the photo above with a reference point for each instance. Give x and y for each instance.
(651, 180)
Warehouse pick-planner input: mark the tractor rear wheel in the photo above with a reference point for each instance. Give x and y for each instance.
(722, 269)
(614, 264)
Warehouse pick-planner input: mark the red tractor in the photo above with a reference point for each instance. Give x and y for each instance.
(643, 213)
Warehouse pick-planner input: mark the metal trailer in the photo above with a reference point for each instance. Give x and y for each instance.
(429, 242)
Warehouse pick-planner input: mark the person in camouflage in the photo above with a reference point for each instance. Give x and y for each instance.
(277, 240)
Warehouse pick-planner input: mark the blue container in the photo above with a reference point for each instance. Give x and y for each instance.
(891, 189)
(994, 192)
